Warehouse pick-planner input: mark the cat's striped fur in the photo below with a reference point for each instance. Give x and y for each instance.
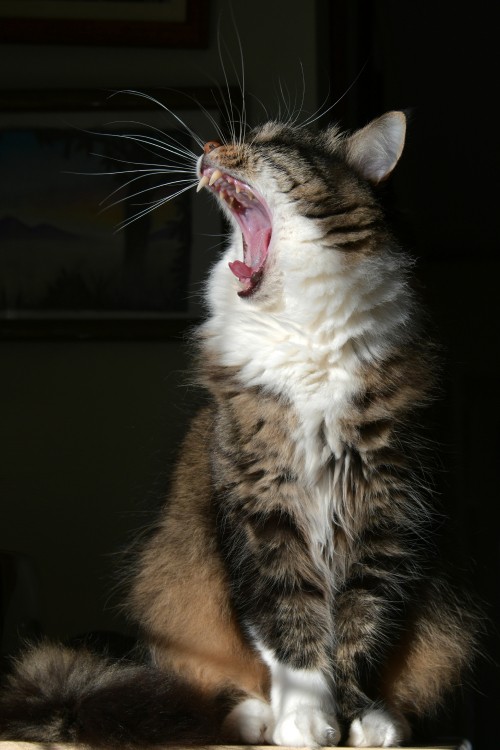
(291, 578)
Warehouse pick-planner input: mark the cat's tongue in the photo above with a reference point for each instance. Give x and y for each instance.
(255, 246)
(254, 219)
(241, 270)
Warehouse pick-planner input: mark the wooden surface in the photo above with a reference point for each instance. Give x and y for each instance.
(62, 746)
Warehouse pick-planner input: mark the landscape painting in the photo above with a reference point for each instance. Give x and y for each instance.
(69, 243)
(102, 233)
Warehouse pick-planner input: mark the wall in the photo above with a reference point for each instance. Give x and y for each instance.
(279, 57)
(88, 428)
(438, 62)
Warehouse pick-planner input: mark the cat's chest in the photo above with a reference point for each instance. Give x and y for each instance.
(290, 379)
(315, 379)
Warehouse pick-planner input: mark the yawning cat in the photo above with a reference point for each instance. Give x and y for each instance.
(290, 592)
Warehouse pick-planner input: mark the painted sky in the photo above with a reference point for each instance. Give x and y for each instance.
(37, 184)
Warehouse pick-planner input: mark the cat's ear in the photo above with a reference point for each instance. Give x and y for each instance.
(374, 150)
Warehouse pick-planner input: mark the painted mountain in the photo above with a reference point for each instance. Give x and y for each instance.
(13, 229)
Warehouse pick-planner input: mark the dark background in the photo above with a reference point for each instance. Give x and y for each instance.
(89, 427)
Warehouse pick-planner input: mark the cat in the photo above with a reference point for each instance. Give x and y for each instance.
(289, 593)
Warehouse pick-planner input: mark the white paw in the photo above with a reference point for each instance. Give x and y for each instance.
(376, 729)
(250, 722)
(306, 726)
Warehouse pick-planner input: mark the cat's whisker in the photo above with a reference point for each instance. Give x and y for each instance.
(290, 107)
(295, 110)
(130, 182)
(125, 223)
(261, 105)
(184, 152)
(146, 190)
(301, 107)
(170, 166)
(156, 144)
(160, 170)
(223, 105)
(144, 173)
(230, 106)
(166, 139)
(320, 112)
(285, 98)
(160, 104)
(241, 81)
(217, 127)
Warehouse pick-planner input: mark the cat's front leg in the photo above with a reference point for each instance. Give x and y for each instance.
(251, 722)
(378, 728)
(301, 712)
(281, 594)
(283, 603)
(303, 706)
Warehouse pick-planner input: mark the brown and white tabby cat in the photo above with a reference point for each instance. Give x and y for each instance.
(289, 593)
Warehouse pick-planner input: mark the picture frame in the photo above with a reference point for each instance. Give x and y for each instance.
(67, 269)
(163, 23)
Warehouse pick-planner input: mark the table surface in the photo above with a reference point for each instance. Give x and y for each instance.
(9, 745)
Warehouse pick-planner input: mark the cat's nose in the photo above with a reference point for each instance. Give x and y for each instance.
(210, 145)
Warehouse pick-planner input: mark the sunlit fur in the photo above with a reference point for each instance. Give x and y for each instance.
(291, 583)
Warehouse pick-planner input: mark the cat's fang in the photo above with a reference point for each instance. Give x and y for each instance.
(216, 175)
(202, 183)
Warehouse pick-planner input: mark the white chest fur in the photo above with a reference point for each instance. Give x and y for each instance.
(308, 338)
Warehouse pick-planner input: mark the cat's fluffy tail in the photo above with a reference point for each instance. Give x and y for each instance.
(58, 694)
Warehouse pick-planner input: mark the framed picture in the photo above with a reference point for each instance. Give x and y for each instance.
(165, 23)
(101, 230)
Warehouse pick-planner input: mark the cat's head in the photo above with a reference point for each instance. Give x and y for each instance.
(287, 185)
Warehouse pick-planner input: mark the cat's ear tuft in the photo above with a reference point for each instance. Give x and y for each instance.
(374, 150)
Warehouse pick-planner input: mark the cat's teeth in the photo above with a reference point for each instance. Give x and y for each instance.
(215, 176)
(238, 187)
(202, 183)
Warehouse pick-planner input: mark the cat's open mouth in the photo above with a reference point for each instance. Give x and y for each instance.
(254, 219)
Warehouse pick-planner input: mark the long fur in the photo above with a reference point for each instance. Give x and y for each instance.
(58, 694)
(290, 592)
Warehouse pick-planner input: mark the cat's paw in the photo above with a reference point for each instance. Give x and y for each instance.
(377, 728)
(306, 726)
(250, 722)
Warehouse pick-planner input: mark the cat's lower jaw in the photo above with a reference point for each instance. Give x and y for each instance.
(377, 728)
